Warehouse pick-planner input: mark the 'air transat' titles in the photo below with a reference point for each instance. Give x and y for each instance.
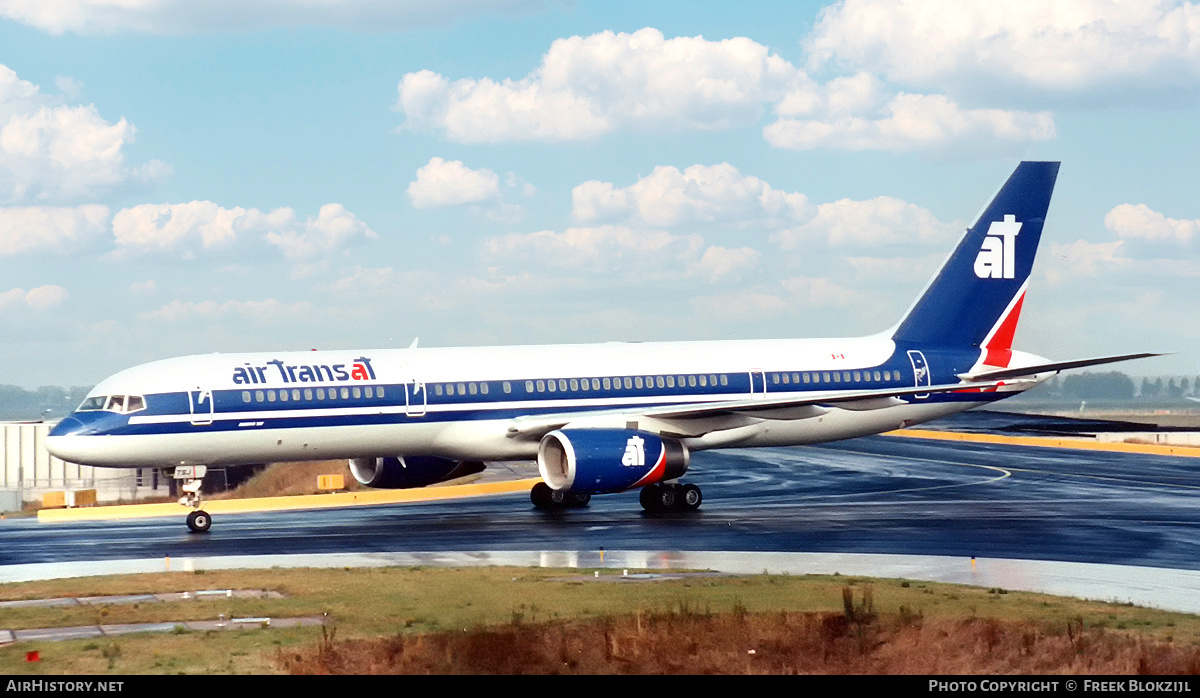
(359, 370)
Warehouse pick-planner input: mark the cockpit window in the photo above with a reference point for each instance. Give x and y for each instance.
(121, 404)
(93, 403)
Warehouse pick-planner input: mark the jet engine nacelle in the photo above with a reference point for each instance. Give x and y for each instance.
(599, 461)
(400, 472)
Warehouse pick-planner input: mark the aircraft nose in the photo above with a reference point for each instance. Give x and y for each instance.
(66, 427)
(64, 440)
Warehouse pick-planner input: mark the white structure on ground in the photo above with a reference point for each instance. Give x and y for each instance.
(28, 472)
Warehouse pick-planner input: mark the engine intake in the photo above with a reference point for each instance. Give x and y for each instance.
(401, 472)
(599, 461)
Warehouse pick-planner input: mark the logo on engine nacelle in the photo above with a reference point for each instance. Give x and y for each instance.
(635, 452)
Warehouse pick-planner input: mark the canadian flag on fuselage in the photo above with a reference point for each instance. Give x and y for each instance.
(975, 299)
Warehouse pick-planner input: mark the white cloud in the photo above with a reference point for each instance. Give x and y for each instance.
(68, 86)
(719, 264)
(911, 122)
(332, 228)
(524, 188)
(16, 95)
(1128, 262)
(205, 226)
(269, 311)
(907, 270)
(1140, 222)
(440, 183)
(741, 305)
(1082, 259)
(149, 227)
(186, 16)
(785, 298)
(1071, 45)
(588, 86)
(608, 249)
(40, 298)
(878, 221)
(50, 152)
(699, 194)
(366, 279)
(616, 251)
(819, 292)
(28, 229)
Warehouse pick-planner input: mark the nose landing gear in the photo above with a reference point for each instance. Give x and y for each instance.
(199, 521)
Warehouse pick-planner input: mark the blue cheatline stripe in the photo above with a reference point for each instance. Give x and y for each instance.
(228, 400)
(243, 421)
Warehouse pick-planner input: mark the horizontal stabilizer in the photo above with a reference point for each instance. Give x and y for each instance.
(1002, 373)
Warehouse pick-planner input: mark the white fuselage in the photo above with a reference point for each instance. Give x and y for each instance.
(470, 403)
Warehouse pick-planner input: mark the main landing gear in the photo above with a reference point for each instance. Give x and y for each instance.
(660, 498)
(193, 476)
(655, 499)
(547, 499)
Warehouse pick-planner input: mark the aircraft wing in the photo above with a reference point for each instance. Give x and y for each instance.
(1002, 373)
(793, 407)
(695, 419)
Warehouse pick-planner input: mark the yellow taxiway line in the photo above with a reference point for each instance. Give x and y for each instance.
(1048, 442)
(305, 501)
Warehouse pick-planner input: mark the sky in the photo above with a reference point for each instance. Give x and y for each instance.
(183, 178)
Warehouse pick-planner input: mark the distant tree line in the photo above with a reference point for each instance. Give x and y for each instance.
(1115, 385)
(47, 402)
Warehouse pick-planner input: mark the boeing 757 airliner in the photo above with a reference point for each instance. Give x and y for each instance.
(598, 418)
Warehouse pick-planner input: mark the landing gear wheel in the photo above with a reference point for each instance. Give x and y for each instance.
(547, 499)
(668, 497)
(659, 498)
(649, 498)
(199, 521)
(579, 499)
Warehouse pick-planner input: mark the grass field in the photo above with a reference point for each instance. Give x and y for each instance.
(521, 620)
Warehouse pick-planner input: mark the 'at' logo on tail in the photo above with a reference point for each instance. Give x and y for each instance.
(978, 287)
(997, 255)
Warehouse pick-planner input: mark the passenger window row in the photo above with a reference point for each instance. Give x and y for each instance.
(319, 394)
(834, 377)
(480, 388)
(562, 385)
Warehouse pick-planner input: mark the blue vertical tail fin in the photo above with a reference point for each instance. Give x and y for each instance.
(975, 298)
